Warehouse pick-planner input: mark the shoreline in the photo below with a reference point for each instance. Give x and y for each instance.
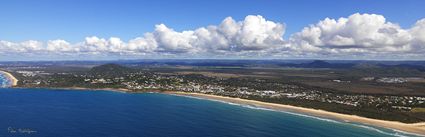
(410, 128)
(14, 81)
(414, 128)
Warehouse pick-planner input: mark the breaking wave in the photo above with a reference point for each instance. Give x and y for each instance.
(392, 132)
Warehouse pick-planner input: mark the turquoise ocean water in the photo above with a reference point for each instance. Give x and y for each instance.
(4, 82)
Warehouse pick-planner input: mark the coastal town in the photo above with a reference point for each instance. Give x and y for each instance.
(406, 108)
(264, 89)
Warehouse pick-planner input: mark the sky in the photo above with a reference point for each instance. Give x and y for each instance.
(254, 29)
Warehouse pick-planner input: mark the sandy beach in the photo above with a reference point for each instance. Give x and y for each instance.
(10, 77)
(417, 128)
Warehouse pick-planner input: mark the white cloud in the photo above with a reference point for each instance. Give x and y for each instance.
(169, 40)
(418, 34)
(22, 47)
(358, 35)
(254, 33)
(142, 44)
(59, 46)
(257, 33)
(95, 44)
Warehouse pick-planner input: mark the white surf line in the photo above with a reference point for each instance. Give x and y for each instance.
(361, 125)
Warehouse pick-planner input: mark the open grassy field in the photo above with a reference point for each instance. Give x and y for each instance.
(418, 110)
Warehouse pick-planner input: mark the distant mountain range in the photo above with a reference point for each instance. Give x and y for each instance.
(320, 64)
(336, 64)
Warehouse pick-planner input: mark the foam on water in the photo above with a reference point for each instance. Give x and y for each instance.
(267, 109)
(396, 133)
(4, 81)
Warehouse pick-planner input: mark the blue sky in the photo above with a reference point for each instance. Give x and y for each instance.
(88, 25)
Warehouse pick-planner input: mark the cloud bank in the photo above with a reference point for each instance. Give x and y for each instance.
(357, 36)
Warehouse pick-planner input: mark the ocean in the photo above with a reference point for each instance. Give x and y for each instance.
(76, 113)
(4, 82)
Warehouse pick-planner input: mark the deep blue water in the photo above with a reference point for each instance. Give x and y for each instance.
(71, 113)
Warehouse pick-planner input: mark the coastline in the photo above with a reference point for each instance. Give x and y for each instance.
(412, 128)
(415, 128)
(121, 90)
(12, 78)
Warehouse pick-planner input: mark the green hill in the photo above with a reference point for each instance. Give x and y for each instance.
(110, 69)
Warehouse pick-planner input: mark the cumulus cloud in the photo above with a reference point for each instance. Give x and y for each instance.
(169, 40)
(358, 35)
(22, 47)
(255, 33)
(418, 35)
(142, 44)
(59, 46)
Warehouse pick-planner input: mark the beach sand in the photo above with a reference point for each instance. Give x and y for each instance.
(11, 78)
(416, 128)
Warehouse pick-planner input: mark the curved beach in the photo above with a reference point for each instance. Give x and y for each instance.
(14, 81)
(417, 128)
